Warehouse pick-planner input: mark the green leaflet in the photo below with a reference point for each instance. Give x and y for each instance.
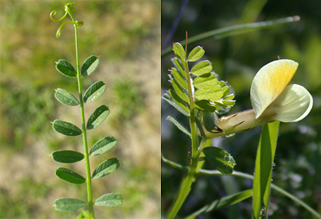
(201, 68)
(209, 93)
(66, 98)
(196, 54)
(103, 145)
(178, 65)
(180, 91)
(67, 156)
(106, 168)
(205, 106)
(66, 128)
(69, 176)
(110, 199)
(223, 202)
(68, 204)
(221, 159)
(66, 68)
(98, 117)
(206, 80)
(179, 125)
(173, 99)
(179, 51)
(94, 91)
(263, 168)
(89, 66)
(179, 78)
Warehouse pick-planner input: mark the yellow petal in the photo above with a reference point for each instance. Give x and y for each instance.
(269, 83)
(293, 105)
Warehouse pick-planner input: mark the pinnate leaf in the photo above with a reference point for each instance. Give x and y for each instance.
(201, 68)
(89, 66)
(94, 91)
(69, 176)
(66, 128)
(110, 199)
(66, 98)
(106, 168)
(196, 54)
(66, 68)
(103, 145)
(222, 160)
(98, 117)
(67, 156)
(68, 204)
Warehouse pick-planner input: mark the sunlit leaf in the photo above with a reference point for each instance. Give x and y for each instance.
(66, 98)
(201, 68)
(110, 199)
(68, 204)
(221, 159)
(66, 156)
(66, 128)
(206, 80)
(106, 168)
(209, 93)
(69, 176)
(94, 91)
(103, 145)
(89, 66)
(179, 51)
(98, 117)
(66, 68)
(196, 54)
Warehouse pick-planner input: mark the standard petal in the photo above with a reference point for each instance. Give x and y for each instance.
(270, 82)
(293, 105)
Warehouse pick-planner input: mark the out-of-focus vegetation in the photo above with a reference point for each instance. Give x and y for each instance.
(126, 36)
(236, 59)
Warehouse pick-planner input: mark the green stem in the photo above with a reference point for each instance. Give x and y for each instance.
(83, 121)
(186, 184)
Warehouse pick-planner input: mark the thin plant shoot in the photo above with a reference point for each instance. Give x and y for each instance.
(68, 129)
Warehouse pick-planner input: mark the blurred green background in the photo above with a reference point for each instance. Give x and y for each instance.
(236, 59)
(126, 37)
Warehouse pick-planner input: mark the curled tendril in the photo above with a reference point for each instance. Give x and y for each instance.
(69, 9)
(58, 31)
(53, 13)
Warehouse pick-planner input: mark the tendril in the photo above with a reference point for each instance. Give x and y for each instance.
(53, 13)
(58, 31)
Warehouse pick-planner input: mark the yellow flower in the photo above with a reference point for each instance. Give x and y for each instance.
(272, 99)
